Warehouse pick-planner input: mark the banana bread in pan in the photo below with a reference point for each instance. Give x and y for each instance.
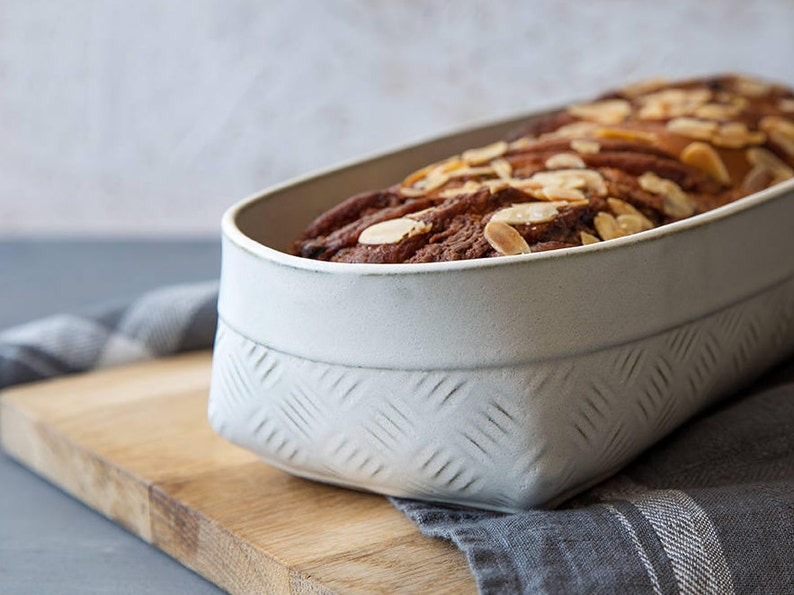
(646, 155)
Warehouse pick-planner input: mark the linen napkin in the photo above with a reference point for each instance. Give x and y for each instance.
(710, 509)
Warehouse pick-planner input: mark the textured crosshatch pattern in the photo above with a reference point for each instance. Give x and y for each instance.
(502, 438)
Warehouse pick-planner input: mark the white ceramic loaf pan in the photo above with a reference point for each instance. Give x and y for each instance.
(502, 383)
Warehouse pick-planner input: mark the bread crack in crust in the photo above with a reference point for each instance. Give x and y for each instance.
(629, 161)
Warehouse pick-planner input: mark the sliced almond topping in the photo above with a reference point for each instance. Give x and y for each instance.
(392, 231)
(418, 175)
(717, 111)
(572, 130)
(757, 179)
(780, 131)
(497, 185)
(520, 143)
(752, 87)
(643, 87)
(735, 135)
(411, 192)
(470, 171)
(468, 188)
(564, 161)
(588, 238)
(524, 184)
(433, 182)
(573, 179)
(675, 202)
(733, 99)
(626, 134)
(528, 213)
(678, 206)
(484, 154)
(786, 105)
(706, 159)
(771, 123)
(607, 226)
(672, 103)
(758, 156)
(502, 168)
(420, 214)
(559, 193)
(632, 224)
(608, 111)
(585, 146)
(692, 128)
(433, 170)
(621, 207)
(504, 239)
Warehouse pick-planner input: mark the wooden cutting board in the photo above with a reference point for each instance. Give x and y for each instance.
(134, 444)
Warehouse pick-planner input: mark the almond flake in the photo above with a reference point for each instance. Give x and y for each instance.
(484, 154)
(505, 239)
(675, 202)
(585, 146)
(526, 213)
(412, 192)
(780, 131)
(392, 231)
(520, 143)
(469, 187)
(717, 111)
(757, 179)
(626, 134)
(706, 159)
(677, 206)
(573, 179)
(608, 111)
(420, 214)
(780, 171)
(607, 226)
(692, 128)
(433, 170)
(672, 103)
(502, 168)
(732, 98)
(632, 224)
(497, 185)
(418, 175)
(752, 87)
(564, 161)
(559, 193)
(621, 207)
(643, 87)
(735, 135)
(786, 105)
(433, 182)
(588, 238)
(470, 171)
(572, 130)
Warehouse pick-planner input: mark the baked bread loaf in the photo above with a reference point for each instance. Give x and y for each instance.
(632, 160)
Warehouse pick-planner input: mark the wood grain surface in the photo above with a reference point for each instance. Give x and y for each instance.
(134, 444)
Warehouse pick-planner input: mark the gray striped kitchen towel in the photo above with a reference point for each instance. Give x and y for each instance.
(710, 509)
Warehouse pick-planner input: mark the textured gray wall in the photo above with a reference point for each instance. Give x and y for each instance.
(150, 117)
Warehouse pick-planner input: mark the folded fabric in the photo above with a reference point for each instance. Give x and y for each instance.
(162, 322)
(708, 510)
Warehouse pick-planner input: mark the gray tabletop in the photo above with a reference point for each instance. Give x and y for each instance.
(49, 542)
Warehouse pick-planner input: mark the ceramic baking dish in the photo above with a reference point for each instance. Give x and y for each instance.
(502, 383)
